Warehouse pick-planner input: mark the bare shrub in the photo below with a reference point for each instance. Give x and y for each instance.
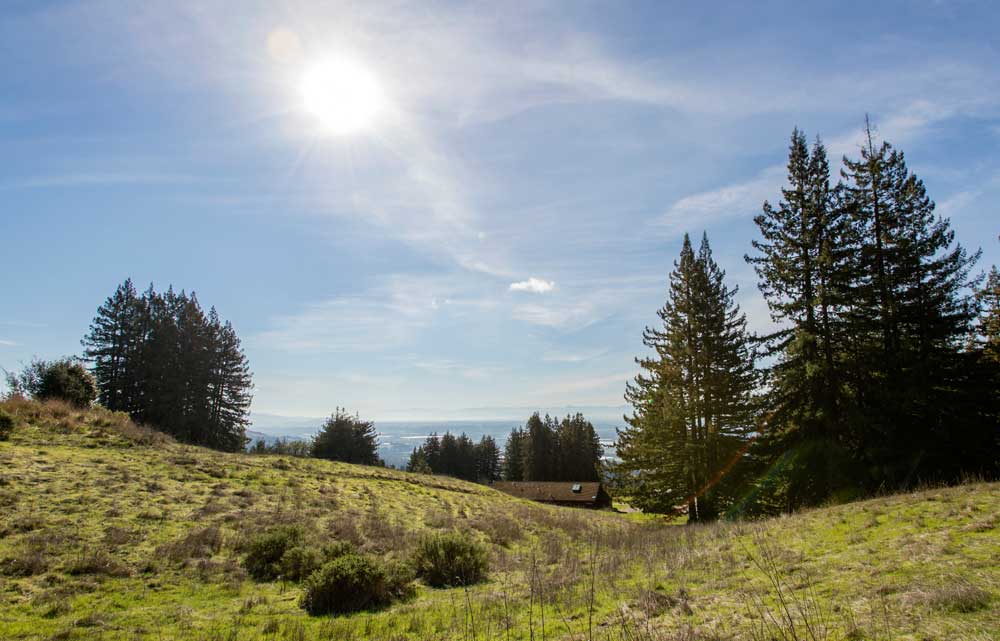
(29, 562)
(342, 526)
(116, 536)
(97, 561)
(958, 596)
(499, 528)
(196, 544)
(439, 519)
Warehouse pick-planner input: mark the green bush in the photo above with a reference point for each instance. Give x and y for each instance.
(451, 559)
(353, 582)
(266, 551)
(299, 562)
(6, 425)
(70, 381)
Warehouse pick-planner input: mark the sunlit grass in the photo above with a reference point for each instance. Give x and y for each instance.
(109, 531)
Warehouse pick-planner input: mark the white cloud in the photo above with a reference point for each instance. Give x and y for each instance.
(6, 343)
(533, 285)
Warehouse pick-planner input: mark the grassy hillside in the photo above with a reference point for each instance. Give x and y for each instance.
(110, 531)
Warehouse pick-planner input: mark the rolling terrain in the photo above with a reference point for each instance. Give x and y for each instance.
(111, 531)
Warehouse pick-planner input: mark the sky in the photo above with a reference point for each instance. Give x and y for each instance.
(498, 233)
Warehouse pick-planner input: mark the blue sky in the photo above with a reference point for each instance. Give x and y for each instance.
(501, 233)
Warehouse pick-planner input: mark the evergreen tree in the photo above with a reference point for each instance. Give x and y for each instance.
(988, 328)
(487, 460)
(347, 438)
(803, 262)
(693, 409)
(580, 450)
(540, 454)
(114, 345)
(418, 462)
(457, 456)
(513, 458)
(230, 385)
(912, 311)
(160, 358)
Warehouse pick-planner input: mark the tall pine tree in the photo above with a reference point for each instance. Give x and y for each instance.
(693, 410)
(803, 262)
(912, 311)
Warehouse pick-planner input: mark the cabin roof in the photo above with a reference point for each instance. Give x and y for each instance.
(556, 491)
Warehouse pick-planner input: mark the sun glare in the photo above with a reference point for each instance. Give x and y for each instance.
(343, 95)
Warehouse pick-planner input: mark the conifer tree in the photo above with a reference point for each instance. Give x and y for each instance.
(912, 310)
(803, 261)
(230, 387)
(693, 401)
(580, 450)
(802, 265)
(487, 460)
(114, 345)
(989, 315)
(513, 458)
(160, 358)
(540, 449)
(347, 438)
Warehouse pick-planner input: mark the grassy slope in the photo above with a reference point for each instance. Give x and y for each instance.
(107, 531)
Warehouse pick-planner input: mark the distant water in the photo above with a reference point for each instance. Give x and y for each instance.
(398, 438)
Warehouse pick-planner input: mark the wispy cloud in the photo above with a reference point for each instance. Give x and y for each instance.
(385, 316)
(7, 343)
(574, 356)
(709, 207)
(602, 389)
(533, 285)
(956, 203)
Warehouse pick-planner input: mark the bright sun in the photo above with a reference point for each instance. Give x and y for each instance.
(342, 94)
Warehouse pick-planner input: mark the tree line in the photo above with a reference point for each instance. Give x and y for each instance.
(549, 449)
(167, 363)
(457, 456)
(883, 372)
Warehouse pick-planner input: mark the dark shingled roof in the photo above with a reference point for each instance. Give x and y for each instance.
(552, 491)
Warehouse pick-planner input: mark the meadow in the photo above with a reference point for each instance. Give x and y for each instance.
(109, 530)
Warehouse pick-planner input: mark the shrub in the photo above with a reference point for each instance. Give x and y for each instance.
(265, 552)
(65, 379)
(30, 563)
(70, 381)
(354, 582)
(299, 562)
(96, 561)
(196, 544)
(6, 425)
(959, 596)
(338, 549)
(451, 559)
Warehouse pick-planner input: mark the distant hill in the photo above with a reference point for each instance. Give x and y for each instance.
(111, 531)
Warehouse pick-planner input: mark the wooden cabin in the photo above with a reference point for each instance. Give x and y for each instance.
(583, 494)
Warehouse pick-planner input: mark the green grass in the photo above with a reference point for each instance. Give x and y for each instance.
(109, 531)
